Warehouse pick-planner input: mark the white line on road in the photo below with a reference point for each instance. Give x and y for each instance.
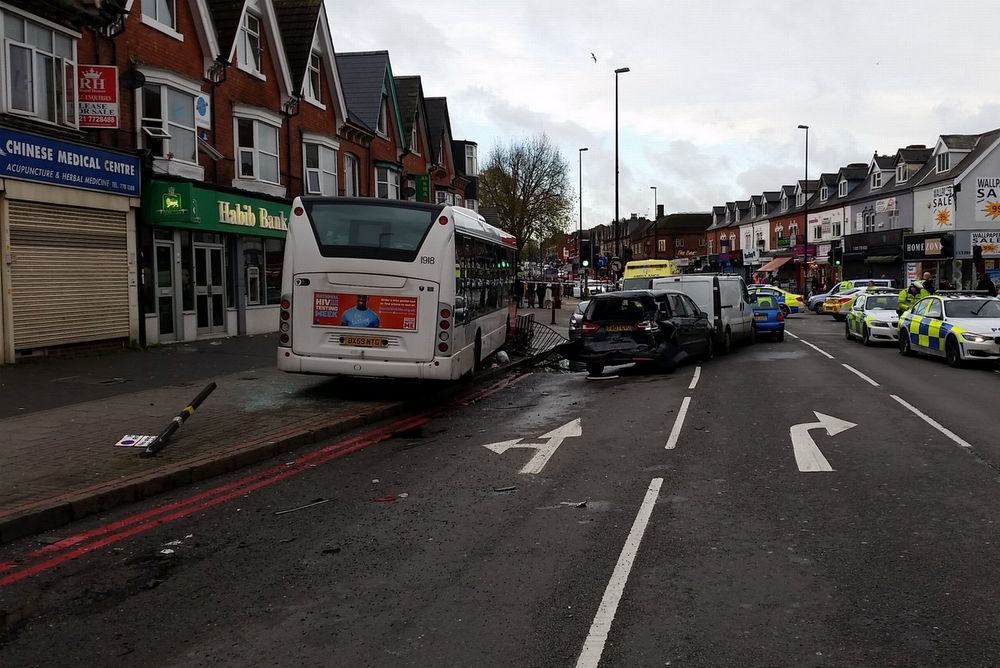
(819, 350)
(859, 374)
(694, 381)
(593, 646)
(934, 423)
(675, 433)
(791, 335)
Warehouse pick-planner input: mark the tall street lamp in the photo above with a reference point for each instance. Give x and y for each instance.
(579, 235)
(653, 188)
(618, 249)
(805, 223)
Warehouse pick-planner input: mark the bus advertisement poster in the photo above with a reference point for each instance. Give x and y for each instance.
(338, 309)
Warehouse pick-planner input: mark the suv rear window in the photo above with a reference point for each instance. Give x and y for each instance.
(620, 309)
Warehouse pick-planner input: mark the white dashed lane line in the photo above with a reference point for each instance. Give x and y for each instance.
(860, 375)
(694, 381)
(934, 423)
(819, 350)
(675, 433)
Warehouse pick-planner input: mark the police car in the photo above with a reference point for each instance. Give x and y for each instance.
(959, 326)
(873, 319)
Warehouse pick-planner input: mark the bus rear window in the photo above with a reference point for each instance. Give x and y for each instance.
(372, 231)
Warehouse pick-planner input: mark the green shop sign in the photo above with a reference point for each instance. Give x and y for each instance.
(185, 205)
(783, 242)
(423, 188)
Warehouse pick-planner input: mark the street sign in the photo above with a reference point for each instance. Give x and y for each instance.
(807, 453)
(544, 450)
(616, 266)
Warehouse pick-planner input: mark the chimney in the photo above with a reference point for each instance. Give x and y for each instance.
(635, 216)
(659, 211)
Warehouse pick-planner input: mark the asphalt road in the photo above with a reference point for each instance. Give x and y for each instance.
(434, 550)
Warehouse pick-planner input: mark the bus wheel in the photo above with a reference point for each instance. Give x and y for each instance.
(477, 361)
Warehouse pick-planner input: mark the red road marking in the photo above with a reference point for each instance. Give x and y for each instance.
(175, 510)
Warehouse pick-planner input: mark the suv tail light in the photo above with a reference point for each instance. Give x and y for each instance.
(285, 322)
(647, 326)
(588, 327)
(445, 314)
(781, 316)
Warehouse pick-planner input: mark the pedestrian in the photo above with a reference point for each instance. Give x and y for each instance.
(985, 283)
(910, 296)
(518, 291)
(531, 295)
(540, 293)
(546, 296)
(871, 287)
(928, 282)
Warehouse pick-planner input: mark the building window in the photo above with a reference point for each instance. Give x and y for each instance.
(441, 197)
(161, 11)
(679, 242)
(257, 150)
(386, 183)
(313, 90)
(40, 71)
(842, 189)
(793, 229)
(943, 162)
(779, 232)
(321, 170)
(661, 246)
(471, 160)
(383, 122)
(168, 123)
(350, 176)
(472, 204)
(262, 261)
(817, 233)
(901, 173)
(824, 193)
(784, 202)
(836, 229)
(414, 146)
(877, 180)
(800, 199)
(869, 220)
(248, 46)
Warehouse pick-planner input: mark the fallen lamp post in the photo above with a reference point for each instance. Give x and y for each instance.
(163, 438)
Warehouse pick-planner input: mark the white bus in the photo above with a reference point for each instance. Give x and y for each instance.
(395, 289)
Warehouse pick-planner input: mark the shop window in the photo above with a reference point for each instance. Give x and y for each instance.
(257, 150)
(321, 170)
(248, 45)
(168, 123)
(387, 183)
(253, 268)
(313, 89)
(253, 285)
(350, 176)
(40, 71)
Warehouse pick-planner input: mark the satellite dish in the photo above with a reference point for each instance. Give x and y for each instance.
(132, 79)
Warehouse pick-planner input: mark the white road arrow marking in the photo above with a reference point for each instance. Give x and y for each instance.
(807, 453)
(544, 450)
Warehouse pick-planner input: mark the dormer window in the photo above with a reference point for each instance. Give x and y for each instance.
(876, 180)
(800, 199)
(784, 202)
(824, 193)
(943, 162)
(414, 148)
(248, 45)
(471, 160)
(313, 78)
(383, 122)
(753, 210)
(901, 173)
(842, 189)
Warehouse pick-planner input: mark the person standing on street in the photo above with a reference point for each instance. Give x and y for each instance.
(910, 296)
(986, 284)
(531, 295)
(540, 293)
(928, 282)
(518, 291)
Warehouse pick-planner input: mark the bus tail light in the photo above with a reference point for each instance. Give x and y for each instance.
(285, 326)
(445, 312)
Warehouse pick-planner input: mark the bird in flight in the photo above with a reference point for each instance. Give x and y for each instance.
(593, 56)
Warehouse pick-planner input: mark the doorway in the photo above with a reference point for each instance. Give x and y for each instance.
(210, 289)
(166, 300)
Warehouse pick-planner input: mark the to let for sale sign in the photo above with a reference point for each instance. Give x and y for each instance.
(98, 96)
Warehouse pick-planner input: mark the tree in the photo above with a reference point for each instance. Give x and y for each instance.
(527, 181)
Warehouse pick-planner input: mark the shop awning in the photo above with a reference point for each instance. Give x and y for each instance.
(774, 264)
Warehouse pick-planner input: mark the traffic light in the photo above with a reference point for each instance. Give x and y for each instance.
(586, 253)
(838, 255)
(948, 245)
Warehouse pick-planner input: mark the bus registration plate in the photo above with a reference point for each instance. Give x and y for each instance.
(364, 341)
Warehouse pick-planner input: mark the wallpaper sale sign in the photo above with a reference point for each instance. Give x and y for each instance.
(943, 207)
(987, 200)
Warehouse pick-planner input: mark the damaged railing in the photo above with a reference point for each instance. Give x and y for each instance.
(533, 339)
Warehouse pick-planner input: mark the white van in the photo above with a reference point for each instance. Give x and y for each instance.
(724, 298)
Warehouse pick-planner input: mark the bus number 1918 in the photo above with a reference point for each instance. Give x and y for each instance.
(426, 259)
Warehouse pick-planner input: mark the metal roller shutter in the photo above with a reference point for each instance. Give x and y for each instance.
(69, 279)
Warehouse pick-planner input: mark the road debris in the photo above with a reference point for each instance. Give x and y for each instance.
(388, 498)
(308, 505)
(289, 540)
(331, 550)
(575, 504)
(511, 488)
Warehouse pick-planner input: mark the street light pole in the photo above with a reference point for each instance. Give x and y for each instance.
(805, 222)
(618, 249)
(579, 236)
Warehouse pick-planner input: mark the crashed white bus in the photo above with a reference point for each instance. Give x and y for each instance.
(395, 289)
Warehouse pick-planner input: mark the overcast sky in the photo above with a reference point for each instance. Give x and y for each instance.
(709, 111)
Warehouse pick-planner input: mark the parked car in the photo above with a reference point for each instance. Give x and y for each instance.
(815, 303)
(838, 304)
(576, 318)
(726, 300)
(873, 319)
(788, 302)
(661, 327)
(768, 316)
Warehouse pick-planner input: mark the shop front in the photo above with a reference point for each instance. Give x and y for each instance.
(874, 255)
(934, 252)
(211, 261)
(67, 224)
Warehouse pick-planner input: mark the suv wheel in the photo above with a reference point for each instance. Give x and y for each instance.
(595, 368)
(784, 309)
(952, 354)
(727, 342)
(847, 330)
(904, 345)
(709, 353)
(866, 335)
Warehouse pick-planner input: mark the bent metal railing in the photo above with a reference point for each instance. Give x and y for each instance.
(532, 339)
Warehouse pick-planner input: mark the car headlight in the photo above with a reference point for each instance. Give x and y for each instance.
(976, 338)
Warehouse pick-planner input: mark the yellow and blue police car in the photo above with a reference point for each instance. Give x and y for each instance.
(959, 326)
(873, 319)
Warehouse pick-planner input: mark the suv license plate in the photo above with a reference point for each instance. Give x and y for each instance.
(364, 341)
(618, 328)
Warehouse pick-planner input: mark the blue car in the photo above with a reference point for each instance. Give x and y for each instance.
(768, 317)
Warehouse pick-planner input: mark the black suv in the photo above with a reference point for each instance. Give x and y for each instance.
(661, 327)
